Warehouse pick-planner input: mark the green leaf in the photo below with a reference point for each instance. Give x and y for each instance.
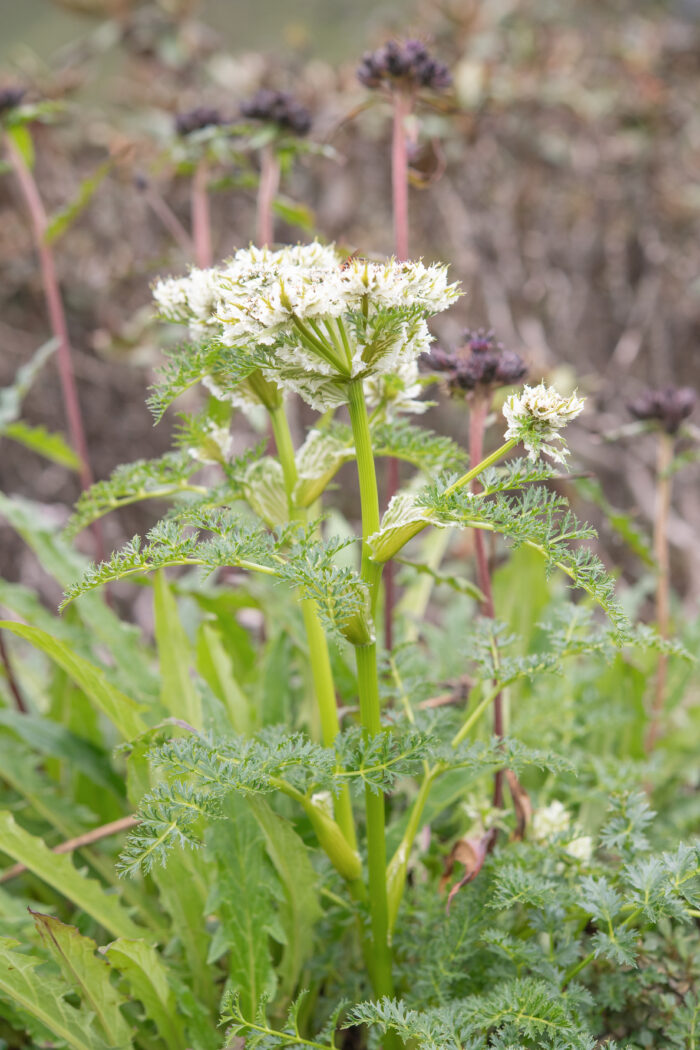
(215, 666)
(149, 982)
(58, 871)
(299, 882)
(131, 664)
(18, 768)
(49, 445)
(11, 397)
(55, 741)
(242, 899)
(178, 693)
(88, 974)
(121, 710)
(63, 219)
(182, 890)
(294, 213)
(22, 138)
(42, 997)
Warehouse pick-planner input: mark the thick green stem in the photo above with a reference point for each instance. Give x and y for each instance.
(319, 656)
(369, 497)
(368, 689)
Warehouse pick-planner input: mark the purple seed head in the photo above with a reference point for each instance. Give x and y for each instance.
(669, 406)
(195, 119)
(409, 63)
(10, 97)
(278, 107)
(480, 363)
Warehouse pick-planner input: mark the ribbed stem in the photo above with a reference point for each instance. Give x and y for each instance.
(368, 690)
(59, 325)
(477, 426)
(367, 476)
(321, 670)
(201, 219)
(267, 191)
(661, 551)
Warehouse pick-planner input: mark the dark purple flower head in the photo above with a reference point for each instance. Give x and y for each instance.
(480, 363)
(669, 406)
(195, 119)
(408, 63)
(10, 97)
(278, 107)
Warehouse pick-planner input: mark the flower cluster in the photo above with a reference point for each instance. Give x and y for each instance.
(280, 108)
(553, 822)
(195, 119)
(313, 323)
(480, 364)
(669, 406)
(408, 64)
(535, 417)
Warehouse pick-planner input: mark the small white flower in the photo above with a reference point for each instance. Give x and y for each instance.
(550, 821)
(536, 415)
(580, 848)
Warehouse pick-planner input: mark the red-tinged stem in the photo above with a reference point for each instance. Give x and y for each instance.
(661, 552)
(477, 426)
(10, 675)
(267, 191)
(201, 219)
(162, 210)
(57, 318)
(403, 105)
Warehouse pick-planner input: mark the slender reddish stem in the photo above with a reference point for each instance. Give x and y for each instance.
(477, 426)
(661, 552)
(267, 191)
(54, 305)
(10, 675)
(403, 104)
(170, 221)
(201, 219)
(57, 318)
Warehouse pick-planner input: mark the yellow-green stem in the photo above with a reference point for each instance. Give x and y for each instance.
(368, 690)
(319, 656)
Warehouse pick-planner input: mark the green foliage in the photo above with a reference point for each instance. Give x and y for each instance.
(536, 517)
(62, 220)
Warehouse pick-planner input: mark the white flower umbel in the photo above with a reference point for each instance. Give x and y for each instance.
(580, 848)
(325, 327)
(314, 322)
(550, 821)
(535, 416)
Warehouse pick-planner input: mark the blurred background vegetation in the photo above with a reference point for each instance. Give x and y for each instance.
(559, 177)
